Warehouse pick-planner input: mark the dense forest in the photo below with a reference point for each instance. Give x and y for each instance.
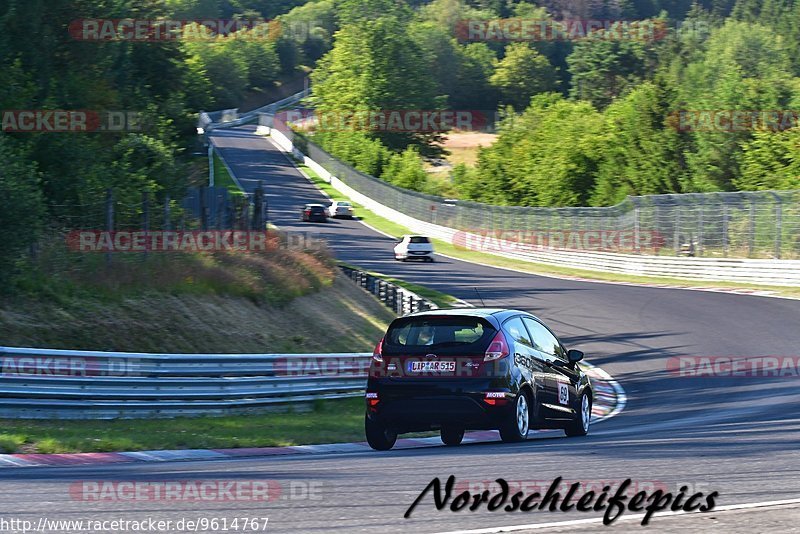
(586, 121)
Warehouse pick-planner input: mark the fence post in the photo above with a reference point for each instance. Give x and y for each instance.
(676, 233)
(778, 227)
(751, 242)
(724, 229)
(146, 220)
(700, 223)
(636, 231)
(258, 223)
(203, 209)
(109, 219)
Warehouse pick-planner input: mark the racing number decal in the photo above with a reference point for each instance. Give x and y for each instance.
(563, 393)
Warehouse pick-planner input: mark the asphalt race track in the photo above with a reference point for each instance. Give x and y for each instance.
(738, 436)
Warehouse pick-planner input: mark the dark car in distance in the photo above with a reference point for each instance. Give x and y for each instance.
(315, 213)
(474, 369)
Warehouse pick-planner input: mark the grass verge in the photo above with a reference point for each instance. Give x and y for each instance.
(331, 421)
(223, 178)
(396, 230)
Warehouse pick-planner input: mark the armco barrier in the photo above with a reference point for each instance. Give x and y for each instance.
(78, 384)
(756, 271)
(229, 118)
(399, 299)
(50, 383)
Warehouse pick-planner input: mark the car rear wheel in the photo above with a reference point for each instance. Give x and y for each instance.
(451, 435)
(379, 436)
(580, 427)
(517, 424)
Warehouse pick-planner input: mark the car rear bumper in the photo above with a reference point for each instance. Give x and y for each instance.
(417, 405)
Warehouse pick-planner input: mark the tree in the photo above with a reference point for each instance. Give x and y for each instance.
(770, 160)
(521, 74)
(604, 68)
(406, 170)
(640, 156)
(23, 208)
(745, 67)
(376, 66)
(530, 163)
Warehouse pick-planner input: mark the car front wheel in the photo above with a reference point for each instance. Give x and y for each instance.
(580, 427)
(379, 436)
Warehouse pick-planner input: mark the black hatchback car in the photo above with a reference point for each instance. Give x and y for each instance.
(314, 213)
(473, 369)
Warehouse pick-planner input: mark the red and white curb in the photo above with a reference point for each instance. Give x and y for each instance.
(609, 401)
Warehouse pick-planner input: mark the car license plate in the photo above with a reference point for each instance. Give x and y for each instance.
(432, 366)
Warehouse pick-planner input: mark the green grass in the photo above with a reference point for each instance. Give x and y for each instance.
(329, 421)
(443, 300)
(222, 178)
(396, 230)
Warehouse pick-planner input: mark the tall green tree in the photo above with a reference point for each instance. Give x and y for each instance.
(604, 68)
(529, 165)
(745, 67)
(521, 74)
(640, 155)
(376, 66)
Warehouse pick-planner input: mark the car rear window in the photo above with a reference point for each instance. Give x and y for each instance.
(443, 334)
(317, 209)
(419, 239)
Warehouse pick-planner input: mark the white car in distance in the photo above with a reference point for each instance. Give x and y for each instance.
(414, 247)
(340, 208)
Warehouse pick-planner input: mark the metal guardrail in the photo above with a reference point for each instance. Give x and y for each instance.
(742, 224)
(50, 383)
(439, 219)
(230, 118)
(399, 299)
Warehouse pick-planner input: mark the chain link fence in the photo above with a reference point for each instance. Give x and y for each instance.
(754, 224)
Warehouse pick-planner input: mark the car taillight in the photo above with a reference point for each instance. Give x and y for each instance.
(498, 348)
(496, 398)
(372, 399)
(377, 354)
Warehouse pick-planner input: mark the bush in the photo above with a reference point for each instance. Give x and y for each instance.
(23, 209)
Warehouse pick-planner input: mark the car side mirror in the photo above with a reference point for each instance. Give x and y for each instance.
(574, 355)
